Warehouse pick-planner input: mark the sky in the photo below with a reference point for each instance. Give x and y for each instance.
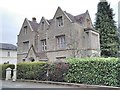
(13, 13)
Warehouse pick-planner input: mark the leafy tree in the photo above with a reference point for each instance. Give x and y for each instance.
(105, 24)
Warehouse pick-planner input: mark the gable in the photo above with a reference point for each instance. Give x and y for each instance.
(88, 20)
(27, 25)
(59, 13)
(31, 53)
(44, 24)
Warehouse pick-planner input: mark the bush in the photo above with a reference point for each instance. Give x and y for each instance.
(99, 71)
(32, 70)
(118, 70)
(3, 68)
(57, 71)
(0, 71)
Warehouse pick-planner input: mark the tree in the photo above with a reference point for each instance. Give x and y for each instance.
(105, 24)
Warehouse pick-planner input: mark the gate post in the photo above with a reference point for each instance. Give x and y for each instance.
(14, 75)
(8, 73)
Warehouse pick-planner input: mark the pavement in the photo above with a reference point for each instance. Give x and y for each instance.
(18, 84)
(49, 84)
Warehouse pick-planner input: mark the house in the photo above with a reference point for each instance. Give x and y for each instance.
(119, 16)
(8, 53)
(61, 37)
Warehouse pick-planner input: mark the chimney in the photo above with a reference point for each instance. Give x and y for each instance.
(103, 1)
(34, 19)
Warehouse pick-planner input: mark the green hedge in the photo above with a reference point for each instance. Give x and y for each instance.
(99, 71)
(32, 70)
(3, 68)
(0, 71)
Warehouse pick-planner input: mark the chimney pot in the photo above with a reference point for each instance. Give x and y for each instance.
(34, 19)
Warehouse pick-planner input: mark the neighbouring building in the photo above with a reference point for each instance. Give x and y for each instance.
(8, 53)
(119, 16)
(62, 37)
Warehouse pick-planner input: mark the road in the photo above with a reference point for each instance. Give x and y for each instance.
(35, 86)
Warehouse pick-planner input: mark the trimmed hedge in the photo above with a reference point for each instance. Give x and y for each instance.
(32, 70)
(3, 68)
(97, 71)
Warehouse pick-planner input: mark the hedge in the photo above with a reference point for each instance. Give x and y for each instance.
(32, 70)
(97, 71)
(3, 68)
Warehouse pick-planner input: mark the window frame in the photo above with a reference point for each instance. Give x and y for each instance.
(43, 25)
(59, 21)
(25, 29)
(44, 44)
(61, 42)
(8, 54)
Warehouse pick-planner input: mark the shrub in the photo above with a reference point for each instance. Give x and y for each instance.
(3, 68)
(0, 71)
(118, 71)
(100, 71)
(32, 70)
(57, 71)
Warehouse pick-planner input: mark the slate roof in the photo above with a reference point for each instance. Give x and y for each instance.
(6, 46)
(78, 18)
(34, 25)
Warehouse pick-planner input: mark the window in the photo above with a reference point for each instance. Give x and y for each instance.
(43, 25)
(60, 41)
(25, 29)
(44, 45)
(8, 54)
(59, 21)
(25, 45)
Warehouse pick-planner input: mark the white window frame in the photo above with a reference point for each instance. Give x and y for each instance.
(44, 45)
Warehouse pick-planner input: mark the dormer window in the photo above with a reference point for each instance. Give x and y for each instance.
(43, 24)
(59, 21)
(25, 29)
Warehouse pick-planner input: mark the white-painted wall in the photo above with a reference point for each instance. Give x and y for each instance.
(119, 14)
(12, 59)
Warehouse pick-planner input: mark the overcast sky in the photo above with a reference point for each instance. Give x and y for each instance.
(13, 13)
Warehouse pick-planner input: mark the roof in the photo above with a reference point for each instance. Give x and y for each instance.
(34, 25)
(78, 18)
(6, 46)
(41, 55)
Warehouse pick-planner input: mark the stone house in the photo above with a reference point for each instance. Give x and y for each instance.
(62, 37)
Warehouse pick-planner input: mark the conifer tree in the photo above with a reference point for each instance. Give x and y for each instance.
(105, 24)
